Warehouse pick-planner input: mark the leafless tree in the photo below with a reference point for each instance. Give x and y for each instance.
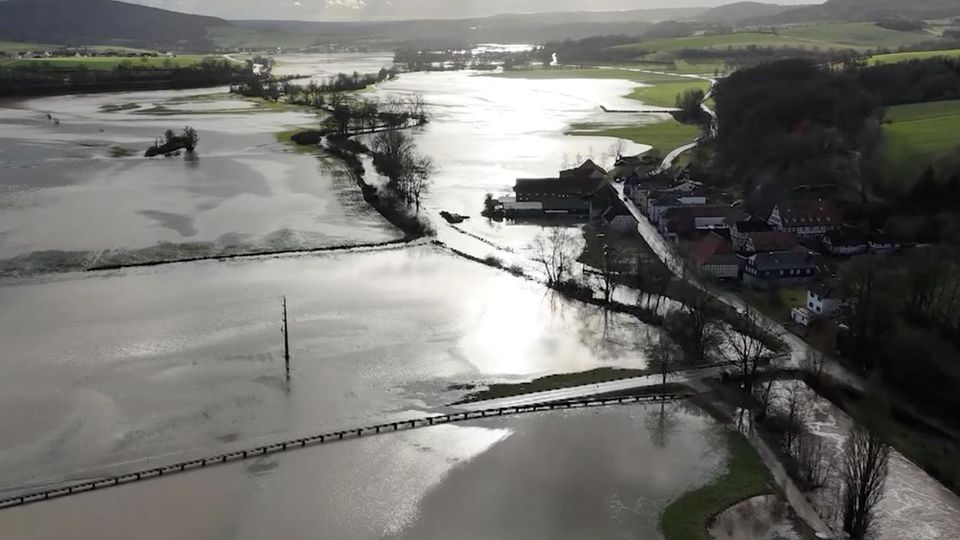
(813, 464)
(417, 178)
(746, 351)
(609, 265)
(813, 363)
(865, 466)
(797, 406)
(663, 354)
(554, 248)
(697, 327)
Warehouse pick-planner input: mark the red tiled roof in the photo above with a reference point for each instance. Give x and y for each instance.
(809, 213)
(708, 246)
(773, 241)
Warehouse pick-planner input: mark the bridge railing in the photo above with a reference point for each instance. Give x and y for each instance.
(314, 440)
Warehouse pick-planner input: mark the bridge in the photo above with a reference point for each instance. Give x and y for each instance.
(473, 412)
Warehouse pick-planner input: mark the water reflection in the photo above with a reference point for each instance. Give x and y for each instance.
(578, 474)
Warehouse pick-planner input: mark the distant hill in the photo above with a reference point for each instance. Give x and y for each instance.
(865, 10)
(94, 22)
(731, 13)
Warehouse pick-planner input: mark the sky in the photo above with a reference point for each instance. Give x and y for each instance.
(311, 10)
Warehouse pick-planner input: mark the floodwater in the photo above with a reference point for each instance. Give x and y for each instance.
(914, 505)
(579, 474)
(68, 204)
(108, 372)
(187, 359)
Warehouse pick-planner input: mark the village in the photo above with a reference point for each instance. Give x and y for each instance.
(784, 262)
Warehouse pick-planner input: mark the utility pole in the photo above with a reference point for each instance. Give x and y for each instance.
(286, 340)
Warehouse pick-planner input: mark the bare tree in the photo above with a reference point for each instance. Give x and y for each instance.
(418, 179)
(609, 263)
(865, 466)
(697, 326)
(554, 249)
(663, 354)
(813, 465)
(746, 351)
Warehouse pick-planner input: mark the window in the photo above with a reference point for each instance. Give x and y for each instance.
(810, 305)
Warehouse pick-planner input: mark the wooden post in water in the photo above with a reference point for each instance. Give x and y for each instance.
(286, 340)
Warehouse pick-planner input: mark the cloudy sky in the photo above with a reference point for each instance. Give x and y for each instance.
(411, 9)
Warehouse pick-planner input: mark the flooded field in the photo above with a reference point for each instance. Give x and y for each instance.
(118, 367)
(573, 475)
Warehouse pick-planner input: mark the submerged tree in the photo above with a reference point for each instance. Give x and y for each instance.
(555, 250)
(865, 467)
(190, 139)
(664, 355)
(746, 350)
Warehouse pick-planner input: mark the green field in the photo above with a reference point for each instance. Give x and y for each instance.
(687, 517)
(583, 73)
(856, 35)
(662, 136)
(106, 62)
(665, 94)
(919, 135)
(825, 36)
(234, 37)
(913, 55)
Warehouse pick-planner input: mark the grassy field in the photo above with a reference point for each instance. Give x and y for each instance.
(15, 46)
(845, 35)
(583, 73)
(686, 518)
(858, 35)
(662, 136)
(780, 309)
(231, 37)
(913, 55)
(106, 62)
(918, 135)
(665, 94)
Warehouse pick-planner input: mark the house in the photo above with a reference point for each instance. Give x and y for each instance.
(739, 231)
(687, 221)
(882, 244)
(656, 208)
(550, 196)
(713, 255)
(587, 171)
(769, 242)
(845, 241)
(567, 194)
(611, 213)
(806, 219)
(787, 266)
(823, 301)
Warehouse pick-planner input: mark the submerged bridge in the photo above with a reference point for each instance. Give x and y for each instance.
(326, 438)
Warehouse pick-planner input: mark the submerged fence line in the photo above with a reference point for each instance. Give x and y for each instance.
(304, 442)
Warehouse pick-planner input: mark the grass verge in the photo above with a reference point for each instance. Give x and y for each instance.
(662, 136)
(555, 382)
(665, 94)
(687, 518)
(912, 55)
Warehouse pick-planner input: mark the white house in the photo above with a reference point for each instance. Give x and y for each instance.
(802, 316)
(823, 300)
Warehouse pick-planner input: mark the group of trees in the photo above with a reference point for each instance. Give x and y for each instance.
(171, 142)
(408, 173)
(903, 314)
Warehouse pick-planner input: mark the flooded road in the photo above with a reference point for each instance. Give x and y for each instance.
(598, 473)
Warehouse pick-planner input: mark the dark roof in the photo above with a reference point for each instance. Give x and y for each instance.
(752, 226)
(584, 171)
(846, 236)
(823, 289)
(555, 186)
(710, 245)
(785, 260)
(724, 259)
(773, 241)
(809, 213)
